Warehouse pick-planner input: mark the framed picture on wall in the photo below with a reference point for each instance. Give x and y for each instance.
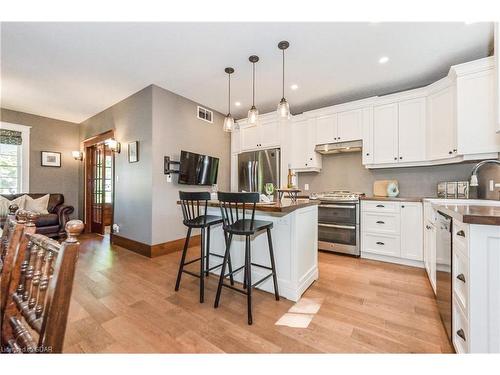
(133, 152)
(51, 159)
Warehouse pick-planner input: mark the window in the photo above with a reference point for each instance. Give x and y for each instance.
(205, 114)
(14, 158)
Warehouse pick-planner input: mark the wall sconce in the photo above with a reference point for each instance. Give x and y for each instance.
(113, 145)
(77, 155)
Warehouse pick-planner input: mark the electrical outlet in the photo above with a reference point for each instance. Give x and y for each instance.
(306, 187)
(169, 178)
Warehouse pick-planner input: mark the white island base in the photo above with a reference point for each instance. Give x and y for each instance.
(295, 239)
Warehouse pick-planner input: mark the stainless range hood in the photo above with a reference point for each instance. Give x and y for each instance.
(337, 148)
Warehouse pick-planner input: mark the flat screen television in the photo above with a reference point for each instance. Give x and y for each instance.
(196, 169)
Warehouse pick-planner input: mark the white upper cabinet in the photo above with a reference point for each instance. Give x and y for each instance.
(385, 134)
(303, 141)
(264, 135)
(326, 129)
(349, 126)
(367, 157)
(411, 131)
(476, 113)
(235, 142)
(441, 135)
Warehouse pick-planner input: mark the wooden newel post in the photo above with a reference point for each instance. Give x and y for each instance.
(13, 208)
(73, 229)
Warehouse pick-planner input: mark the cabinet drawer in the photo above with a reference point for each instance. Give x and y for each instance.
(461, 280)
(380, 206)
(380, 223)
(381, 244)
(460, 327)
(461, 236)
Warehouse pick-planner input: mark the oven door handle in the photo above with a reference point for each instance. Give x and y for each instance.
(352, 227)
(336, 206)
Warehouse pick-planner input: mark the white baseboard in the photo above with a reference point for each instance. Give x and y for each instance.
(389, 259)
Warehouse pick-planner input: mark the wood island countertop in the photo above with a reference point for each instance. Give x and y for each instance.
(286, 206)
(472, 213)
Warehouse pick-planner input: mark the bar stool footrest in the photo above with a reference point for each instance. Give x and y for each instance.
(261, 266)
(262, 280)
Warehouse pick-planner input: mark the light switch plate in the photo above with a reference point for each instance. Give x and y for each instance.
(306, 187)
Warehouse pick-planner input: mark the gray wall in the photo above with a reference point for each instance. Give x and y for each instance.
(175, 128)
(345, 171)
(49, 134)
(132, 121)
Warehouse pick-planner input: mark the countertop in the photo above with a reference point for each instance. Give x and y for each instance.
(471, 213)
(286, 206)
(394, 199)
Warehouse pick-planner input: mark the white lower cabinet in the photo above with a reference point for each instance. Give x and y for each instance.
(430, 252)
(392, 231)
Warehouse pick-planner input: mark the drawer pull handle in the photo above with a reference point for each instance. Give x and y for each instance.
(461, 334)
(380, 222)
(380, 205)
(461, 233)
(380, 243)
(461, 277)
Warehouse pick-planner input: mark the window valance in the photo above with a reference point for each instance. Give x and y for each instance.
(10, 137)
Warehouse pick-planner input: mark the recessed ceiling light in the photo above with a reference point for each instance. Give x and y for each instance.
(294, 86)
(237, 104)
(383, 60)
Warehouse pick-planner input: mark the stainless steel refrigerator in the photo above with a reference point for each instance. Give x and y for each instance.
(257, 168)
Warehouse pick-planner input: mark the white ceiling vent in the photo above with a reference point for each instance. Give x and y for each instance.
(205, 115)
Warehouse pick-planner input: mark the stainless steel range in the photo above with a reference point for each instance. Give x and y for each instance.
(338, 222)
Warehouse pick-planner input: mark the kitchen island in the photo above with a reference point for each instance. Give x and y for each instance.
(295, 240)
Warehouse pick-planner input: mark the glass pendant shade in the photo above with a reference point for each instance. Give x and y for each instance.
(253, 115)
(284, 109)
(228, 123)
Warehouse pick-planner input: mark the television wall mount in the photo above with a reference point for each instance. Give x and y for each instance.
(167, 165)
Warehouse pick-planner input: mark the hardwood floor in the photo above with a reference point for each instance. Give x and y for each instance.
(125, 303)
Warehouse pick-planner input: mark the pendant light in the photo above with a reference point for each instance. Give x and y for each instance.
(283, 106)
(229, 120)
(253, 113)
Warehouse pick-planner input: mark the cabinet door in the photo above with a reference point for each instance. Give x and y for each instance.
(326, 129)
(441, 135)
(235, 142)
(385, 134)
(430, 253)
(269, 134)
(476, 117)
(367, 136)
(411, 130)
(411, 231)
(298, 145)
(350, 125)
(249, 138)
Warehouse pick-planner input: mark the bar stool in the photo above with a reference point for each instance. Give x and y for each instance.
(236, 223)
(194, 210)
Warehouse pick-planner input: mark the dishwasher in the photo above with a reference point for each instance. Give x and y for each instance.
(443, 271)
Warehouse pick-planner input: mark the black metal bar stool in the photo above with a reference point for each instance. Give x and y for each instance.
(194, 209)
(237, 223)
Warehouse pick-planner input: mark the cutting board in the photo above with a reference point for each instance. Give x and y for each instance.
(380, 187)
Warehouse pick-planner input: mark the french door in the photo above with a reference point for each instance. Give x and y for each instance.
(96, 178)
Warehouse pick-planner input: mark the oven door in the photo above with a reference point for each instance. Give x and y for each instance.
(338, 238)
(337, 213)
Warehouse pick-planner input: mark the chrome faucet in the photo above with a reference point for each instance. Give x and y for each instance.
(473, 177)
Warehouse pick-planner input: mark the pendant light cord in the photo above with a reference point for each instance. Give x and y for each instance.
(229, 97)
(253, 86)
(283, 73)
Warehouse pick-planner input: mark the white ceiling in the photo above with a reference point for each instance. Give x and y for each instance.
(72, 71)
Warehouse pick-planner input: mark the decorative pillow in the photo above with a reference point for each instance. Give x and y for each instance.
(5, 203)
(38, 205)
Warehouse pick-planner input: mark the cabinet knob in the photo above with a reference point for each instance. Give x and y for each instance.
(461, 233)
(310, 158)
(454, 150)
(400, 157)
(395, 158)
(450, 152)
(428, 227)
(461, 334)
(367, 154)
(461, 277)
(402, 206)
(380, 243)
